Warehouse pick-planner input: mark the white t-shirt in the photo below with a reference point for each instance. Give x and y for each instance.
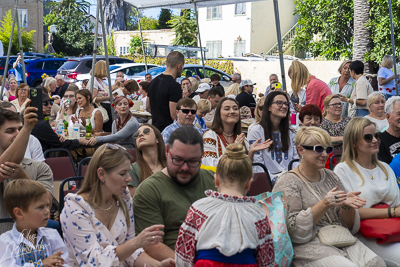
(34, 149)
(390, 87)
(381, 125)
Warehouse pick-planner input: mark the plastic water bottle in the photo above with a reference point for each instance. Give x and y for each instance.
(60, 128)
(76, 130)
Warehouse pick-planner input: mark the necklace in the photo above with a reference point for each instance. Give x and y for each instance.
(228, 135)
(370, 173)
(307, 178)
(107, 209)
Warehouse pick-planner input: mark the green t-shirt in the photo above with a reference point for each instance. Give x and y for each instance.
(159, 200)
(134, 172)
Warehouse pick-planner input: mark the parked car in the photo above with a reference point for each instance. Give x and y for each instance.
(10, 62)
(129, 70)
(189, 70)
(34, 54)
(82, 65)
(35, 68)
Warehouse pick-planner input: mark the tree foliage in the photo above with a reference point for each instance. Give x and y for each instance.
(132, 21)
(5, 35)
(74, 35)
(148, 23)
(327, 28)
(185, 28)
(164, 17)
(110, 46)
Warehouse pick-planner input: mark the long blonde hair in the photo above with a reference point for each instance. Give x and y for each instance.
(100, 69)
(353, 133)
(108, 159)
(299, 75)
(256, 115)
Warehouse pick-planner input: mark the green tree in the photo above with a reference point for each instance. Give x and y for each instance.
(110, 45)
(135, 46)
(163, 18)
(74, 34)
(185, 28)
(148, 23)
(5, 34)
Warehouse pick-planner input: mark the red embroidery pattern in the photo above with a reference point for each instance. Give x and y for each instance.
(186, 245)
(209, 154)
(209, 141)
(265, 254)
(195, 218)
(263, 228)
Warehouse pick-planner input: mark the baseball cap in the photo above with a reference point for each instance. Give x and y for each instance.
(203, 87)
(45, 97)
(246, 82)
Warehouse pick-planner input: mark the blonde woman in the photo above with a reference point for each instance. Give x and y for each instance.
(233, 90)
(386, 77)
(360, 170)
(195, 83)
(316, 198)
(98, 221)
(203, 107)
(343, 84)
(22, 97)
(376, 105)
(316, 90)
(101, 91)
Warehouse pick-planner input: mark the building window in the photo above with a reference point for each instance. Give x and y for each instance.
(23, 17)
(124, 50)
(214, 12)
(240, 9)
(214, 49)
(239, 48)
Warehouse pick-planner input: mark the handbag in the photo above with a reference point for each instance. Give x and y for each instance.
(383, 230)
(274, 205)
(332, 235)
(103, 111)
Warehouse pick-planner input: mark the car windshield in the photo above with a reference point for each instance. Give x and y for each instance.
(114, 67)
(70, 64)
(153, 71)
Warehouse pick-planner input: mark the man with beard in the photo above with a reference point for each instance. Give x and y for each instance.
(165, 197)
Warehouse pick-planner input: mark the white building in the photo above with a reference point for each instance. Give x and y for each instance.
(234, 30)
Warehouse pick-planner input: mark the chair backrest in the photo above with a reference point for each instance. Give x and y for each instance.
(261, 181)
(61, 166)
(130, 148)
(290, 166)
(83, 165)
(66, 182)
(334, 160)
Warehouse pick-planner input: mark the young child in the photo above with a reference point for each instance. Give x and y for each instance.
(226, 228)
(29, 244)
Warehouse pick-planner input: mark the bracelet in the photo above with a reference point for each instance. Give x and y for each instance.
(390, 213)
(394, 213)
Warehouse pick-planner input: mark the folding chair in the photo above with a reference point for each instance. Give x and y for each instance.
(261, 181)
(130, 148)
(290, 166)
(332, 163)
(78, 181)
(83, 165)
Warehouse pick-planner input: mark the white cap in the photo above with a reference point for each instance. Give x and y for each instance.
(203, 87)
(246, 82)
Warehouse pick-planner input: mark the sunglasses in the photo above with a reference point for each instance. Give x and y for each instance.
(319, 149)
(69, 96)
(46, 103)
(112, 146)
(186, 111)
(145, 131)
(280, 103)
(369, 137)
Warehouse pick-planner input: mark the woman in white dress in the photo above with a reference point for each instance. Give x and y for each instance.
(376, 104)
(343, 84)
(360, 170)
(98, 221)
(85, 110)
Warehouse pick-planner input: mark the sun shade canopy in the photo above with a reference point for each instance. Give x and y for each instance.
(143, 4)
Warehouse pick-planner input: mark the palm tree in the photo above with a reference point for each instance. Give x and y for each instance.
(362, 42)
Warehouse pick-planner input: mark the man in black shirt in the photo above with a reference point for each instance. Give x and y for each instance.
(390, 139)
(165, 92)
(245, 98)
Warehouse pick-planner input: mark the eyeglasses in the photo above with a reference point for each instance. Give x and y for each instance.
(46, 103)
(369, 137)
(112, 146)
(145, 131)
(319, 149)
(336, 105)
(186, 111)
(69, 96)
(23, 90)
(280, 103)
(180, 162)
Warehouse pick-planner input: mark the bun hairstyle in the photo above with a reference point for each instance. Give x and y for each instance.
(235, 166)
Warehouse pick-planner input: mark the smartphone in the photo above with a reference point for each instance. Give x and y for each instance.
(36, 101)
(278, 86)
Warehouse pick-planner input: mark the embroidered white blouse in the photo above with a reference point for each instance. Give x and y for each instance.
(89, 242)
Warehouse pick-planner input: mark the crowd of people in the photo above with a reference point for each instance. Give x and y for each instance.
(184, 200)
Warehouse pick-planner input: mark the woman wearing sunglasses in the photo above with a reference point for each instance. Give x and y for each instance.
(274, 125)
(316, 198)
(333, 122)
(98, 221)
(150, 155)
(226, 129)
(360, 170)
(123, 126)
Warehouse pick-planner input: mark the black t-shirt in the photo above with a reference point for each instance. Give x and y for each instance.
(245, 99)
(63, 89)
(389, 147)
(193, 95)
(162, 90)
